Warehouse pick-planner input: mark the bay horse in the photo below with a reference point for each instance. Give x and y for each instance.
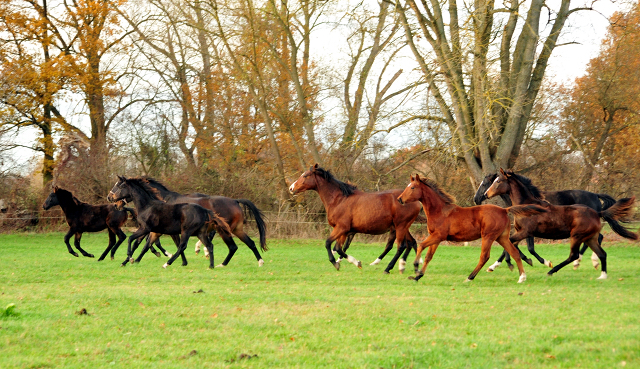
(82, 217)
(579, 223)
(565, 197)
(447, 221)
(157, 216)
(228, 209)
(351, 211)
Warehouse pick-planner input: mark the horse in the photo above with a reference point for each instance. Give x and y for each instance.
(447, 221)
(82, 217)
(156, 216)
(566, 197)
(579, 223)
(229, 209)
(351, 211)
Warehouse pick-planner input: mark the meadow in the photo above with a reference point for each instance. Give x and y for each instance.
(297, 311)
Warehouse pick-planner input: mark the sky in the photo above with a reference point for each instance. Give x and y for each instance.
(584, 32)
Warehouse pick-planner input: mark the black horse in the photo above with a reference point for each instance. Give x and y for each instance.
(566, 197)
(83, 217)
(229, 209)
(157, 216)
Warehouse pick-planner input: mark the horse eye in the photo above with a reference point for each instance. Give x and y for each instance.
(412, 188)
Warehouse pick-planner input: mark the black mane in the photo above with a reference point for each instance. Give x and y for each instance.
(526, 182)
(145, 185)
(447, 198)
(347, 189)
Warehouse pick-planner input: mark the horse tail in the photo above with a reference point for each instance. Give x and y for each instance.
(607, 201)
(618, 211)
(259, 218)
(526, 210)
(218, 222)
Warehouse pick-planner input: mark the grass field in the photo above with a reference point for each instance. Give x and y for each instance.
(297, 311)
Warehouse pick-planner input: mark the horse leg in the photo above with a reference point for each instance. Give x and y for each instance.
(76, 243)
(159, 246)
(430, 240)
(153, 237)
(390, 240)
(594, 257)
(66, 241)
(252, 246)
(134, 236)
(332, 237)
(600, 253)
(573, 255)
(485, 252)
(112, 241)
(401, 241)
(511, 249)
(532, 251)
(182, 246)
(499, 261)
(411, 244)
(228, 240)
(515, 240)
(121, 238)
(204, 238)
(343, 255)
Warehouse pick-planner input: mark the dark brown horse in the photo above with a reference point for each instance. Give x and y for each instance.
(231, 210)
(579, 223)
(447, 221)
(83, 217)
(351, 211)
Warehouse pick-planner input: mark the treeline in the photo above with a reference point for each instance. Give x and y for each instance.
(237, 98)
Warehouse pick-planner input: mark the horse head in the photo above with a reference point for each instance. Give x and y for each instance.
(51, 201)
(500, 185)
(306, 181)
(120, 191)
(480, 195)
(412, 192)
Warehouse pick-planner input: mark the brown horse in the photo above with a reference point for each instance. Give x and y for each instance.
(579, 223)
(447, 221)
(351, 211)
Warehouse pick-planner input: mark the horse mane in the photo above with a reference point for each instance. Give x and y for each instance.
(447, 198)
(70, 194)
(144, 183)
(347, 189)
(526, 182)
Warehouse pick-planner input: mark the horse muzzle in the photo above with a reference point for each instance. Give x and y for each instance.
(400, 201)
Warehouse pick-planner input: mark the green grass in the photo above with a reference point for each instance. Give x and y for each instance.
(297, 311)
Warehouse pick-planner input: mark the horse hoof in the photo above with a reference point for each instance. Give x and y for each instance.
(549, 274)
(523, 277)
(75, 254)
(131, 260)
(575, 266)
(376, 262)
(468, 280)
(529, 261)
(596, 265)
(603, 275)
(184, 264)
(165, 265)
(210, 267)
(401, 271)
(489, 270)
(360, 264)
(511, 267)
(220, 266)
(260, 263)
(336, 265)
(412, 278)
(157, 254)
(548, 263)
(90, 256)
(112, 258)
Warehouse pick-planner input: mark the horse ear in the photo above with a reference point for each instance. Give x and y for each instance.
(412, 178)
(315, 166)
(55, 188)
(502, 172)
(417, 177)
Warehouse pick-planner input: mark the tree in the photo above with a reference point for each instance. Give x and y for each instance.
(485, 86)
(605, 102)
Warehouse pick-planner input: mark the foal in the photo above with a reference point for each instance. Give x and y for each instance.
(351, 211)
(579, 223)
(447, 221)
(83, 217)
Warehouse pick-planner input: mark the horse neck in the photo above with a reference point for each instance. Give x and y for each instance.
(140, 197)
(167, 195)
(67, 204)
(330, 194)
(431, 202)
(520, 195)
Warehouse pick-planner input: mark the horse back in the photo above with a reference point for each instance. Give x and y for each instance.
(574, 197)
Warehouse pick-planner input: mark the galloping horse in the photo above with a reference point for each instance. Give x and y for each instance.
(351, 211)
(579, 223)
(172, 219)
(566, 197)
(83, 217)
(447, 221)
(229, 209)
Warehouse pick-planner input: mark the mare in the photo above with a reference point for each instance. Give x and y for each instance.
(228, 209)
(566, 197)
(579, 223)
(351, 211)
(82, 217)
(447, 221)
(157, 216)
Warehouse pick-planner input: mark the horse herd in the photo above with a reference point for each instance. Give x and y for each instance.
(572, 214)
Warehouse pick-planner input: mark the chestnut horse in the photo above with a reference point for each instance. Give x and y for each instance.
(579, 223)
(351, 211)
(447, 221)
(565, 197)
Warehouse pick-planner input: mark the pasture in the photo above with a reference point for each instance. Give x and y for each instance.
(297, 311)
